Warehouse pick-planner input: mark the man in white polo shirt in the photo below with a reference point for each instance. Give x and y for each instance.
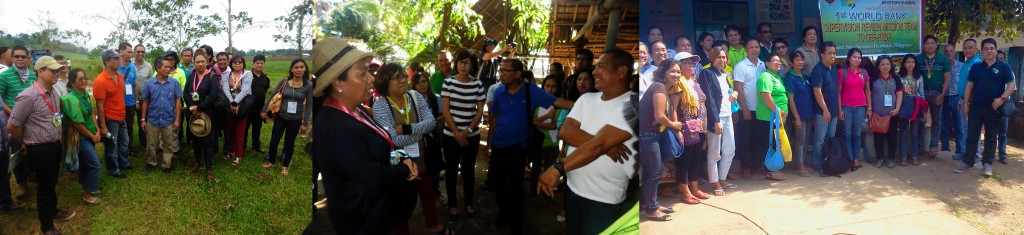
(600, 160)
(745, 76)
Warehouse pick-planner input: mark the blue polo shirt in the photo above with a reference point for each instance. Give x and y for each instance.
(826, 79)
(965, 70)
(510, 110)
(802, 94)
(130, 75)
(989, 83)
(161, 96)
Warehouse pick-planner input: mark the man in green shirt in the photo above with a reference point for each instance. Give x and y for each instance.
(17, 78)
(935, 68)
(445, 70)
(736, 52)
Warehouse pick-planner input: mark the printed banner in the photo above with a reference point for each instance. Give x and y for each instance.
(878, 27)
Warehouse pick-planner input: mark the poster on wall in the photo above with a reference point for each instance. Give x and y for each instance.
(876, 27)
(779, 13)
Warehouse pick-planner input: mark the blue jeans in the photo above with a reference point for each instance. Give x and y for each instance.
(116, 158)
(853, 128)
(1004, 123)
(585, 216)
(823, 130)
(650, 165)
(951, 122)
(981, 117)
(911, 133)
(936, 113)
(89, 165)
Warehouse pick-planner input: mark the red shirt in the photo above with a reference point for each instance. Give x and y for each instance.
(110, 89)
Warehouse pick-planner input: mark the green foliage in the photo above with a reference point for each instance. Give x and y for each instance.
(955, 19)
(161, 22)
(294, 26)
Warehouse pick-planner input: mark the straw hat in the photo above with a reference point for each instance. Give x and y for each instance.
(333, 55)
(200, 125)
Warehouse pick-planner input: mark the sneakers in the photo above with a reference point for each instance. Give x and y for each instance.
(119, 175)
(95, 200)
(64, 215)
(962, 167)
(958, 157)
(986, 170)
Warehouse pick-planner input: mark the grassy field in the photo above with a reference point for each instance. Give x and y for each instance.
(244, 199)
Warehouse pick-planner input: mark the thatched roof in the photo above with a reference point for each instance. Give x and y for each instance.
(571, 15)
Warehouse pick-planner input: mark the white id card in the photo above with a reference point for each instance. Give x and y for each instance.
(292, 107)
(128, 89)
(413, 150)
(888, 101)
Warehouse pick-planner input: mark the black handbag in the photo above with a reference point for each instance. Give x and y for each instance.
(244, 107)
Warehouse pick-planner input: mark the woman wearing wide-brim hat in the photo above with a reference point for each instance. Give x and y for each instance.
(200, 94)
(368, 188)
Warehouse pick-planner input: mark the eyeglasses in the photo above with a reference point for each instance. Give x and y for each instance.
(20, 57)
(465, 62)
(781, 47)
(140, 52)
(766, 31)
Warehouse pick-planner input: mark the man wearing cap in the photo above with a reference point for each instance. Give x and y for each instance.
(597, 180)
(130, 73)
(444, 66)
(510, 143)
(745, 77)
(109, 91)
(12, 81)
(144, 71)
(36, 122)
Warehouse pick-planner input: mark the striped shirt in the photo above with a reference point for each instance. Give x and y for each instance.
(463, 98)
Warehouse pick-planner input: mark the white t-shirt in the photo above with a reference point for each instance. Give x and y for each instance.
(602, 180)
(747, 72)
(726, 105)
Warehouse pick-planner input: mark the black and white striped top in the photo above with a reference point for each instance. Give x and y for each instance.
(463, 98)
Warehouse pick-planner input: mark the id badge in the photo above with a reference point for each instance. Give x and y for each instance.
(413, 150)
(195, 96)
(57, 119)
(292, 107)
(128, 89)
(888, 100)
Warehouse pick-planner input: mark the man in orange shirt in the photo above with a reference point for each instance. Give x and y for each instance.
(108, 88)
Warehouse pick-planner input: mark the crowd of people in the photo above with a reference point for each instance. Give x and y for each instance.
(705, 108)
(386, 131)
(56, 116)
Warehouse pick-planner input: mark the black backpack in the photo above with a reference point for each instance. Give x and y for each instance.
(836, 163)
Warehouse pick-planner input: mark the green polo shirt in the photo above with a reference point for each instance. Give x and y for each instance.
(78, 109)
(936, 66)
(736, 55)
(11, 85)
(437, 79)
(772, 84)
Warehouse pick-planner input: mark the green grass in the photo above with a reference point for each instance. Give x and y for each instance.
(244, 199)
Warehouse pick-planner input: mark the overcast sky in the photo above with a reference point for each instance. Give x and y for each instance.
(15, 15)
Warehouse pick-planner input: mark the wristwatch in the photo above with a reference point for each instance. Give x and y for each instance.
(560, 166)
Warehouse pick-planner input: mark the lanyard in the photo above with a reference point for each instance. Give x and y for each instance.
(405, 111)
(46, 99)
(199, 81)
(929, 66)
(235, 81)
(888, 84)
(338, 105)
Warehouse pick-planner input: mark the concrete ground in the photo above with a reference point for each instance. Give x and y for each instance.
(925, 199)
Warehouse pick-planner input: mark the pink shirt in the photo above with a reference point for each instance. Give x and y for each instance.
(852, 91)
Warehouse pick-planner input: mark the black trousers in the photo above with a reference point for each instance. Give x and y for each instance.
(45, 159)
(888, 138)
(759, 133)
(129, 121)
(509, 164)
(254, 124)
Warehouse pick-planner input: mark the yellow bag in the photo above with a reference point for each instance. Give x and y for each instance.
(787, 152)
